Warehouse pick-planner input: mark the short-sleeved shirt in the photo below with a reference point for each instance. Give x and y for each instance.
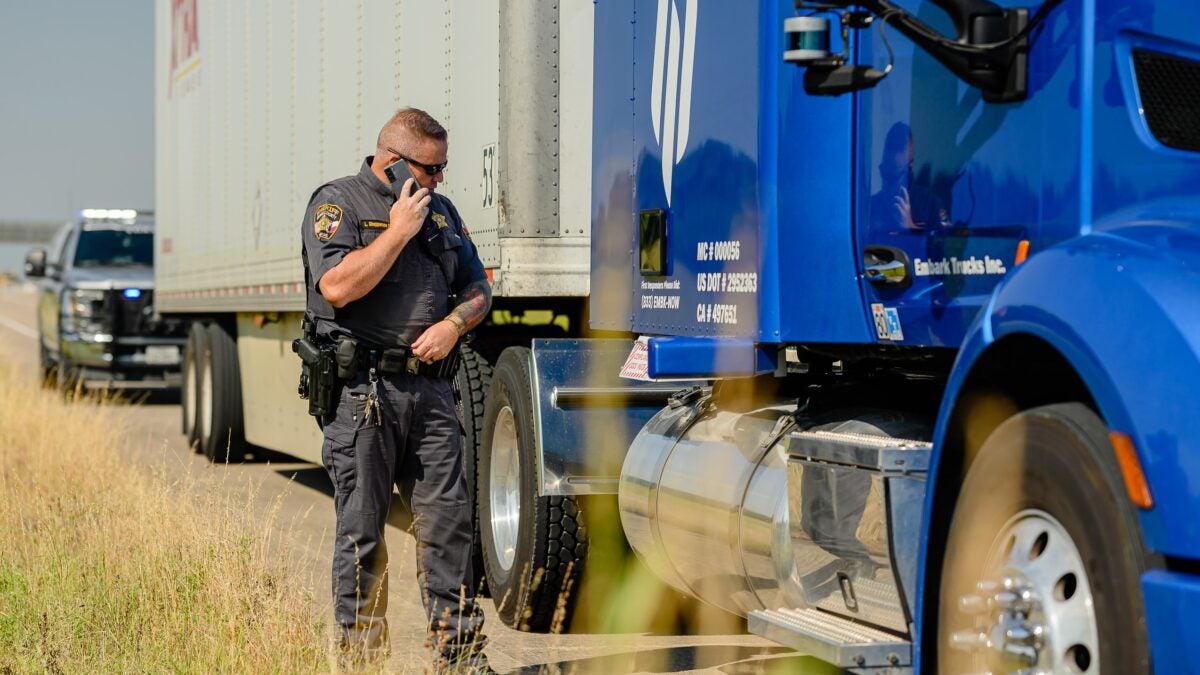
(415, 293)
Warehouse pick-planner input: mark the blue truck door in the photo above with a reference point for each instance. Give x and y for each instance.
(948, 185)
(809, 290)
(710, 149)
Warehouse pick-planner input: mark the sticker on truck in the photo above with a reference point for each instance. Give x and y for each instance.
(637, 365)
(887, 322)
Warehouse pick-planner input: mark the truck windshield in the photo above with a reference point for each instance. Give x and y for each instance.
(115, 248)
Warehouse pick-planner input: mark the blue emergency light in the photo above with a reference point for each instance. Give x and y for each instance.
(132, 293)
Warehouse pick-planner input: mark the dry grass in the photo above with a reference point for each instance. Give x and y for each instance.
(107, 569)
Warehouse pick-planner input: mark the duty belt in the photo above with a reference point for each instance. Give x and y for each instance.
(396, 361)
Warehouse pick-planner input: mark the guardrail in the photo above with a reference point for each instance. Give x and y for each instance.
(26, 232)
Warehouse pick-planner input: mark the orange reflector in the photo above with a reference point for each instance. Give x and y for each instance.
(1131, 470)
(491, 274)
(1022, 252)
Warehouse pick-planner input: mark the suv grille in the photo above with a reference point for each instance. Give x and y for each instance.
(131, 316)
(1170, 92)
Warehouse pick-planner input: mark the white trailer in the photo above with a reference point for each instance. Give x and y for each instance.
(258, 103)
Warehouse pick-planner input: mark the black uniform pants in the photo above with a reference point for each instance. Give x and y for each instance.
(416, 446)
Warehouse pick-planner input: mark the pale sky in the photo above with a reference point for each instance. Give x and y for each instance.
(78, 107)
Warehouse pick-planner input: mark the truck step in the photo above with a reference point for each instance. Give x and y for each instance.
(833, 639)
(875, 603)
(875, 453)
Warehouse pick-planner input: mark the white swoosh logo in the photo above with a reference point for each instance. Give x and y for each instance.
(671, 111)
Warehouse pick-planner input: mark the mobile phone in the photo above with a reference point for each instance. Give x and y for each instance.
(398, 172)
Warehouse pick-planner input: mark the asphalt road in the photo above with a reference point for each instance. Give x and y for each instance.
(295, 497)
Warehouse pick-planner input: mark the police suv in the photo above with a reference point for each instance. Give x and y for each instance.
(96, 321)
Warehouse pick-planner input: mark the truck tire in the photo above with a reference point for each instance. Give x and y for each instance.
(190, 387)
(67, 377)
(471, 383)
(47, 369)
(222, 437)
(534, 547)
(1043, 509)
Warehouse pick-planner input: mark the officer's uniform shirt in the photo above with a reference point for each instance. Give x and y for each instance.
(351, 212)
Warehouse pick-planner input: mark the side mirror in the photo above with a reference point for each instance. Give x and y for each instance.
(35, 263)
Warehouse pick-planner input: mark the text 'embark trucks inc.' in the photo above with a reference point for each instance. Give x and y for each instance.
(878, 323)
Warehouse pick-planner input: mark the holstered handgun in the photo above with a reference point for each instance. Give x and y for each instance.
(318, 372)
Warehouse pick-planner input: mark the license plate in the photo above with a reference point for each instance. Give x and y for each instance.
(162, 355)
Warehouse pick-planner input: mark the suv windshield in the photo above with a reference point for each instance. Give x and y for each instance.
(114, 248)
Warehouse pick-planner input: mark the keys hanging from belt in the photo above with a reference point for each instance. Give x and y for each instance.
(374, 412)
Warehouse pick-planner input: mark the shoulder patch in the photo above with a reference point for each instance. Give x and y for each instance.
(326, 220)
(440, 220)
(374, 224)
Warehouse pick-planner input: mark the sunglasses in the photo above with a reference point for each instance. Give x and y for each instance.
(429, 169)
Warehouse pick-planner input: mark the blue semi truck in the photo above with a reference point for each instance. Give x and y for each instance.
(894, 333)
(875, 323)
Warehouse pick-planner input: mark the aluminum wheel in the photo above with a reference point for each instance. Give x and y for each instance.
(204, 399)
(505, 494)
(1034, 610)
(189, 393)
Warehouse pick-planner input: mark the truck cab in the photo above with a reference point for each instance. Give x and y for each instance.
(933, 266)
(97, 326)
(876, 319)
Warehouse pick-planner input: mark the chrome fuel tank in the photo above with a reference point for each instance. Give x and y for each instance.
(721, 506)
(682, 490)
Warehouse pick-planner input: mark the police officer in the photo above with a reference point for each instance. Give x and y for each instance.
(394, 283)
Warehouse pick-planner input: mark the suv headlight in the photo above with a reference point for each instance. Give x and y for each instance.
(84, 310)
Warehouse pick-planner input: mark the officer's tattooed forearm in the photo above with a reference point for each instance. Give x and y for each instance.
(476, 301)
